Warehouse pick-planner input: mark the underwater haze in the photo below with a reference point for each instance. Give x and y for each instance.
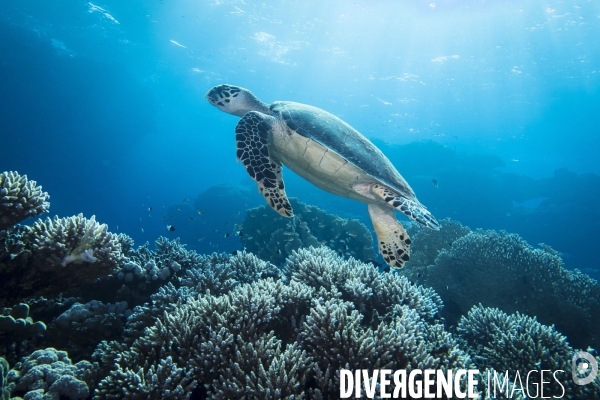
(155, 269)
(104, 104)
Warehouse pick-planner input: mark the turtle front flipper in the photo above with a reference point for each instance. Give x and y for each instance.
(412, 209)
(392, 238)
(252, 139)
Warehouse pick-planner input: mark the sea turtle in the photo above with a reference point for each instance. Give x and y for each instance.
(327, 152)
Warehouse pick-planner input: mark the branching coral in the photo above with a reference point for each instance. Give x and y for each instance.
(273, 238)
(59, 242)
(269, 338)
(372, 292)
(20, 198)
(56, 255)
(498, 269)
(517, 342)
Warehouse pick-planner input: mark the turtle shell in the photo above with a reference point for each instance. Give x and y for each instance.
(339, 137)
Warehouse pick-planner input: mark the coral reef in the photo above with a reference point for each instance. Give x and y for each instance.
(16, 322)
(20, 199)
(498, 269)
(170, 323)
(56, 255)
(49, 374)
(427, 243)
(273, 238)
(517, 342)
(79, 329)
(4, 392)
(272, 339)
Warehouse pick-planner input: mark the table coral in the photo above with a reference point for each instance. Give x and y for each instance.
(516, 342)
(498, 269)
(20, 199)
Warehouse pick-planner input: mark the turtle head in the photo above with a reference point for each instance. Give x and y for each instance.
(235, 100)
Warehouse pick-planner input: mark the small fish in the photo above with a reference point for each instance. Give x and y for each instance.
(200, 212)
(258, 230)
(164, 217)
(185, 200)
(200, 238)
(252, 215)
(140, 220)
(227, 235)
(170, 228)
(149, 216)
(240, 233)
(289, 224)
(352, 233)
(178, 209)
(289, 239)
(287, 233)
(226, 223)
(234, 253)
(191, 218)
(142, 230)
(149, 208)
(250, 237)
(435, 182)
(345, 247)
(264, 215)
(321, 225)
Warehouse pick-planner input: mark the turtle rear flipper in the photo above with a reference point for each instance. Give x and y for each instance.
(393, 241)
(251, 135)
(412, 209)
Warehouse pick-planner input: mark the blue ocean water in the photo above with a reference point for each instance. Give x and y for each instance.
(102, 103)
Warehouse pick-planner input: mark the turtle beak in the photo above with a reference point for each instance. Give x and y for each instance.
(212, 96)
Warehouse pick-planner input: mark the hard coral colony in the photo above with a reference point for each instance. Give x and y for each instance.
(89, 315)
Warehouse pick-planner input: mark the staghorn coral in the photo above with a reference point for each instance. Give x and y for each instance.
(56, 255)
(20, 199)
(498, 269)
(49, 374)
(273, 238)
(512, 343)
